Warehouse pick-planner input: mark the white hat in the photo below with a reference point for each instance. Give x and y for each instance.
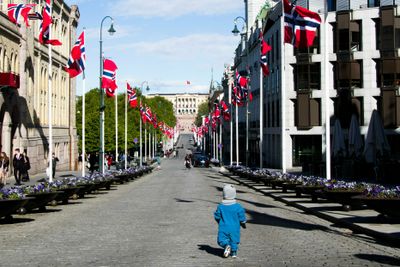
(229, 192)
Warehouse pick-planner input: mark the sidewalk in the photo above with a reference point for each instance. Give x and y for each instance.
(364, 221)
(33, 179)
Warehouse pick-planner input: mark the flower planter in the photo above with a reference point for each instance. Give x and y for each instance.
(39, 201)
(385, 206)
(289, 186)
(85, 189)
(309, 190)
(267, 180)
(277, 183)
(10, 206)
(345, 197)
(66, 193)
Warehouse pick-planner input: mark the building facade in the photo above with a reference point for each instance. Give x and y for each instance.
(24, 82)
(352, 68)
(185, 108)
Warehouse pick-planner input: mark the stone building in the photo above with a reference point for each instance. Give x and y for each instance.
(185, 108)
(24, 71)
(350, 69)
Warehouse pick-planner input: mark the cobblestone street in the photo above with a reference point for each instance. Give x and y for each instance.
(166, 219)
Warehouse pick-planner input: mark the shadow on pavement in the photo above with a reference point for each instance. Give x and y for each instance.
(15, 220)
(257, 204)
(183, 201)
(211, 250)
(213, 177)
(267, 219)
(379, 259)
(44, 211)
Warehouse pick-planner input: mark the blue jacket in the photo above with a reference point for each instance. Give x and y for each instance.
(229, 218)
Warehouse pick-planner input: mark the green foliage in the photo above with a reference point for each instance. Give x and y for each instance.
(202, 111)
(159, 105)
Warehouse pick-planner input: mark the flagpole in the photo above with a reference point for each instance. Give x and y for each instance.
(140, 135)
(237, 136)
(283, 93)
(327, 110)
(50, 93)
(116, 126)
(145, 143)
(261, 117)
(231, 126)
(220, 143)
(126, 130)
(83, 124)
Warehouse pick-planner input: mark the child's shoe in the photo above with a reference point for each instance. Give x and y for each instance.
(234, 254)
(227, 251)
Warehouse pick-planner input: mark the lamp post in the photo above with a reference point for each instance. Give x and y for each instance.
(111, 31)
(243, 35)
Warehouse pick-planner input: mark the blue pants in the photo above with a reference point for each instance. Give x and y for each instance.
(225, 239)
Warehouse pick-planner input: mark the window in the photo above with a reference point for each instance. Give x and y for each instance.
(307, 76)
(349, 74)
(331, 5)
(373, 3)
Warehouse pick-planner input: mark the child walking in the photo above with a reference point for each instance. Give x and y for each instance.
(229, 216)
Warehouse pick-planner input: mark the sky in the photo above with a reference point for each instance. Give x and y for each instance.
(163, 42)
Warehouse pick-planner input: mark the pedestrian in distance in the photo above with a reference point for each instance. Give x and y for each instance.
(230, 216)
(27, 167)
(18, 164)
(187, 162)
(55, 160)
(4, 164)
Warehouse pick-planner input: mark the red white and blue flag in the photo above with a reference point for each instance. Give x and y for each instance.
(265, 48)
(45, 26)
(225, 110)
(35, 16)
(17, 10)
(77, 59)
(148, 115)
(300, 25)
(242, 93)
(108, 81)
(132, 98)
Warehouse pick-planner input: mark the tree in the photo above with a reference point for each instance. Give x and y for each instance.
(159, 105)
(202, 111)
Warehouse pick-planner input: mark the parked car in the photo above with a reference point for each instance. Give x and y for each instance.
(201, 161)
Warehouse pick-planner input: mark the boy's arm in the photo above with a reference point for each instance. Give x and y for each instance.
(217, 215)
(242, 217)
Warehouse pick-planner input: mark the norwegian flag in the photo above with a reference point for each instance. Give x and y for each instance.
(45, 26)
(132, 98)
(142, 111)
(207, 121)
(77, 59)
(17, 10)
(148, 114)
(300, 25)
(225, 110)
(265, 48)
(242, 89)
(217, 112)
(108, 81)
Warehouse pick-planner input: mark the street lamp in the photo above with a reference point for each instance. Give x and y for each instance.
(235, 32)
(111, 31)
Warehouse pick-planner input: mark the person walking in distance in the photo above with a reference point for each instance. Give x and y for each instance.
(18, 164)
(230, 216)
(27, 167)
(4, 164)
(55, 160)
